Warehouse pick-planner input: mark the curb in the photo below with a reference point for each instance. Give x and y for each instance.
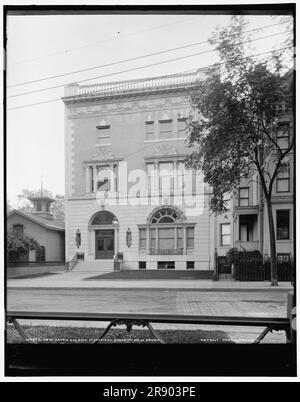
(270, 289)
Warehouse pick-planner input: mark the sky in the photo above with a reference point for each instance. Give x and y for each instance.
(41, 46)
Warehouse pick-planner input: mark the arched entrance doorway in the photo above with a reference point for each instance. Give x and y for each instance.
(104, 226)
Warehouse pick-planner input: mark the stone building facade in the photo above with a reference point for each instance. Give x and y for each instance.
(125, 146)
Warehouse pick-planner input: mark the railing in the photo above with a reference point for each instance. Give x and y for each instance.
(71, 264)
(223, 266)
(250, 266)
(178, 251)
(137, 85)
(145, 320)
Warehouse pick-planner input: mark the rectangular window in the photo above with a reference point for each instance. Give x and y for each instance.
(103, 178)
(142, 239)
(225, 234)
(166, 239)
(166, 178)
(142, 265)
(18, 229)
(165, 264)
(149, 130)
(283, 179)
(283, 136)
(180, 177)
(190, 265)
(283, 224)
(179, 238)
(182, 127)
(38, 207)
(103, 134)
(190, 238)
(244, 196)
(283, 258)
(165, 128)
(150, 177)
(152, 239)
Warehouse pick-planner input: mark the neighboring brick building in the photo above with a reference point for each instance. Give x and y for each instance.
(140, 126)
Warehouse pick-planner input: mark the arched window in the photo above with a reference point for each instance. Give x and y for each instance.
(104, 218)
(165, 215)
(166, 233)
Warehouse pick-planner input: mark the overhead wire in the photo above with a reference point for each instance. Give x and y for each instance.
(202, 68)
(139, 68)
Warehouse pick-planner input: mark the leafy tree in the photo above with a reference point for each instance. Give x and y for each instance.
(8, 206)
(19, 244)
(233, 121)
(57, 207)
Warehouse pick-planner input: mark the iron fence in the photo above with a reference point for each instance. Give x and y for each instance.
(249, 266)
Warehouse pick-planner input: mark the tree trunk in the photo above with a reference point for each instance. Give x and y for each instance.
(273, 256)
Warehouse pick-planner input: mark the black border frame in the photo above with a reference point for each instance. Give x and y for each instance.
(148, 360)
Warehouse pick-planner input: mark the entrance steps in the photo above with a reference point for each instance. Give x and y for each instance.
(99, 266)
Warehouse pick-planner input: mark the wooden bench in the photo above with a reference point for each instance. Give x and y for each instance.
(268, 323)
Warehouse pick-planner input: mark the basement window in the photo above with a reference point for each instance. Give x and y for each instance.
(165, 264)
(190, 265)
(142, 265)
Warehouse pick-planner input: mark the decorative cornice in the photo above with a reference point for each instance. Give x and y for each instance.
(128, 105)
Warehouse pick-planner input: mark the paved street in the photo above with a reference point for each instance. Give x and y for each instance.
(150, 301)
(251, 304)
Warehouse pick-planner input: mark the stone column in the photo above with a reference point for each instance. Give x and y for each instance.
(92, 251)
(155, 189)
(148, 240)
(184, 240)
(90, 233)
(116, 235)
(95, 171)
(87, 180)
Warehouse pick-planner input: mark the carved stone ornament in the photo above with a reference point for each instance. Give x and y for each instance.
(103, 154)
(130, 105)
(165, 149)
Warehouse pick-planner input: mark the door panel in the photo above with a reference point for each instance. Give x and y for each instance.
(105, 244)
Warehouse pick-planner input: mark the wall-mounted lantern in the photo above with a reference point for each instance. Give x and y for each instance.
(78, 238)
(128, 237)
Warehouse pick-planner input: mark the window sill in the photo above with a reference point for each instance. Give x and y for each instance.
(166, 139)
(103, 145)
